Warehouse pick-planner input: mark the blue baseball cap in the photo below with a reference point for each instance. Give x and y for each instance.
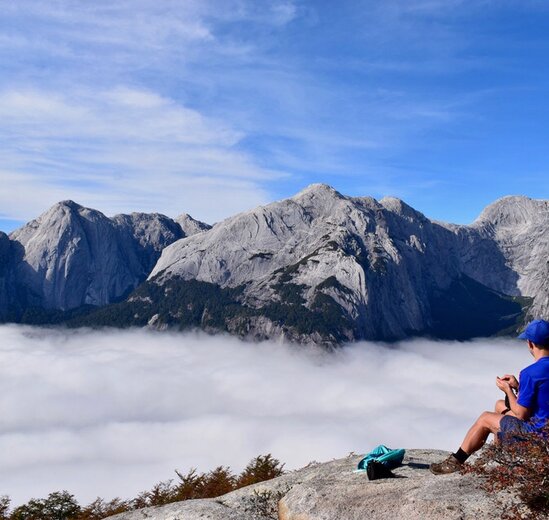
(537, 332)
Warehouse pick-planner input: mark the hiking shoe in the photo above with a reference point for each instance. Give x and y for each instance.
(449, 465)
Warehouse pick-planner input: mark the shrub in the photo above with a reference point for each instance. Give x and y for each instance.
(58, 506)
(100, 509)
(521, 467)
(161, 493)
(218, 482)
(4, 507)
(63, 506)
(190, 486)
(264, 467)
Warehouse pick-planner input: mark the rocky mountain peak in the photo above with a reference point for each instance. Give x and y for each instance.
(514, 210)
(68, 209)
(402, 209)
(63, 217)
(70, 204)
(316, 267)
(147, 227)
(516, 227)
(317, 193)
(72, 255)
(257, 242)
(322, 253)
(191, 226)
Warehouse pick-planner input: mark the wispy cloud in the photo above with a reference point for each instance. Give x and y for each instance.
(111, 413)
(119, 150)
(308, 90)
(131, 31)
(105, 141)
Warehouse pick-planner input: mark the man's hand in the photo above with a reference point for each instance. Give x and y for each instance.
(512, 380)
(504, 385)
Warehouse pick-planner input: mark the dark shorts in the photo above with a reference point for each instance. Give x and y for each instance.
(513, 429)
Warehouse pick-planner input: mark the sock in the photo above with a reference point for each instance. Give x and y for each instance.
(461, 455)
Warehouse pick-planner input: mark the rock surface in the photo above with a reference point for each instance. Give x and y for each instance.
(518, 226)
(384, 268)
(191, 226)
(146, 235)
(332, 491)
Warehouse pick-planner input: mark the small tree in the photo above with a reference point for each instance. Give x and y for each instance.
(60, 505)
(100, 509)
(264, 467)
(218, 482)
(190, 486)
(5, 502)
(63, 506)
(161, 494)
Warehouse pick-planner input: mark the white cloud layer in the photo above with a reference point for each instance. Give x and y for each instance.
(112, 413)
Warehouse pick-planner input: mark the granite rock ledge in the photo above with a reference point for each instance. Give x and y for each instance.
(332, 491)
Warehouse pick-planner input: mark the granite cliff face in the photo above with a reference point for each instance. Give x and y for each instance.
(369, 258)
(144, 236)
(317, 267)
(518, 227)
(332, 491)
(72, 256)
(368, 269)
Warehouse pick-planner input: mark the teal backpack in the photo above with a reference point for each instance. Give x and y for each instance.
(380, 461)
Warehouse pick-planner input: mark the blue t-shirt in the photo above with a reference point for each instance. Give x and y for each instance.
(534, 391)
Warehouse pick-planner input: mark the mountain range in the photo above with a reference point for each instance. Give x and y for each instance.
(317, 267)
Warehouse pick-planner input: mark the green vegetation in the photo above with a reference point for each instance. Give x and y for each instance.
(325, 317)
(185, 304)
(40, 316)
(178, 303)
(63, 506)
(465, 310)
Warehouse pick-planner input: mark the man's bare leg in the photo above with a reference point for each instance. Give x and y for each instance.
(487, 423)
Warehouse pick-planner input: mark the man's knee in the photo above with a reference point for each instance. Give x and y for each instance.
(484, 416)
(490, 420)
(500, 406)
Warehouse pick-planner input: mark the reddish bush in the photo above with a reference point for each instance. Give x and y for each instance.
(100, 509)
(264, 467)
(520, 467)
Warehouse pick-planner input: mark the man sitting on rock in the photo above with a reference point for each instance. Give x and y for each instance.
(525, 413)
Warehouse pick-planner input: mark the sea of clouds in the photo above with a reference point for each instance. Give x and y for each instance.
(112, 413)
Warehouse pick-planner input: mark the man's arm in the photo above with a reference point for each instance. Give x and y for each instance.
(517, 410)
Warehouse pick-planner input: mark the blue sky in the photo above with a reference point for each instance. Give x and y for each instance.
(212, 107)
